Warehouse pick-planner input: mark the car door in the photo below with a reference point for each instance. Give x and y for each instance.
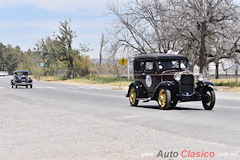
(149, 76)
(139, 67)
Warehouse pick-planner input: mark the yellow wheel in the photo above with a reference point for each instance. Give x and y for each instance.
(133, 97)
(164, 99)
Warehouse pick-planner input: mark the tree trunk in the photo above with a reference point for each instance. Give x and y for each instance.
(236, 73)
(70, 69)
(217, 70)
(191, 67)
(101, 48)
(203, 56)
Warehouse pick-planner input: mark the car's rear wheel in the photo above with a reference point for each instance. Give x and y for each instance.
(133, 97)
(164, 99)
(31, 86)
(26, 86)
(208, 98)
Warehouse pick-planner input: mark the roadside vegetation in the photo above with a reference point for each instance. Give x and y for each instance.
(226, 82)
(91, 80)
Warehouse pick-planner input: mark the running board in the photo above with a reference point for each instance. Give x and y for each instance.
(144, 99)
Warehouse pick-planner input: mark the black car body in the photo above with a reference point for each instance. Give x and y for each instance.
(166, 79)
(20, 78)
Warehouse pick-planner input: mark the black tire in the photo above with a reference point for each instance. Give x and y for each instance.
(31, 86)
(173, 104)
(133, 97)
(16, 86)
(208, 98)
(12, 86)
(26, 86)
(164, 99)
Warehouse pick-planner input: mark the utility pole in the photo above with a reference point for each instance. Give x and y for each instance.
(128, 69)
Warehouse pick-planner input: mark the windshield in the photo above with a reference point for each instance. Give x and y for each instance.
(172, 64)
(21, 73)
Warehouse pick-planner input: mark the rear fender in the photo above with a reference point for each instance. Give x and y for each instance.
(12, 82)
(141, 92)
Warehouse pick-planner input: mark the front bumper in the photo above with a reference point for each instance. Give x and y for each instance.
(23, 84)
(189, 97)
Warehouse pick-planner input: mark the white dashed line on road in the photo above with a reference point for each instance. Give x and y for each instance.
(47, 87)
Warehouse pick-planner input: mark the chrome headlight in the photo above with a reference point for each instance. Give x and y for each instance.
(200, 77)
(177, 76)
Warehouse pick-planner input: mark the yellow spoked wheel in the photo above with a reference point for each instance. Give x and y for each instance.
(164, 99)
(133, 97)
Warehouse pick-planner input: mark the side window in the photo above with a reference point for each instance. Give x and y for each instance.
(149, 66)
(175, 64)
(139, 66)
(183, 64)
(165, 64)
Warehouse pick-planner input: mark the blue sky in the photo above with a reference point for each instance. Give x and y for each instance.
(24, 22)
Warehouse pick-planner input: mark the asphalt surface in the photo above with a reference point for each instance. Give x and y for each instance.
(66, 121)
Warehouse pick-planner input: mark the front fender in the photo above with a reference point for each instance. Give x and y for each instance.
(208, 83)
(202, 85)
(141, 92)
(164, 84)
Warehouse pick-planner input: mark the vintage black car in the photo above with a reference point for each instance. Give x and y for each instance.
(166, 79)
(20, 78)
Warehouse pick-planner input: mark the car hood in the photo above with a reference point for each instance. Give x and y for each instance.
(167, 72)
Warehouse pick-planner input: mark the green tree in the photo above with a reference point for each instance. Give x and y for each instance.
(2, 50)
(60, 48)
(30, 61)
(11, 58)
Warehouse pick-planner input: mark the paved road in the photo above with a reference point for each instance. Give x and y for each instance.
(63, 121)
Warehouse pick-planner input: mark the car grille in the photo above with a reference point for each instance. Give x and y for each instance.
(24, 79)
(187, 84)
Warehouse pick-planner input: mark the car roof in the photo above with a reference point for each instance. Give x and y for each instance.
(20, 71)
(160, 56)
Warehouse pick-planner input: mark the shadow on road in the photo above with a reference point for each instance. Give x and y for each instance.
(176, 108)
(185, 108)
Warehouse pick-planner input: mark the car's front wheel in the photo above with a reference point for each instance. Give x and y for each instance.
(208, 98)
(133, 97)
(164, 99)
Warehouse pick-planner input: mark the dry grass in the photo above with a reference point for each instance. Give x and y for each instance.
(226, 84)
(116, 84)
(222, 80)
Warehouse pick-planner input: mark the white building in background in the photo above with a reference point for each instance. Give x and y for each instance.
(226, 67)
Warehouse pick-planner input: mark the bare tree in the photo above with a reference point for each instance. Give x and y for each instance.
(142, 26)
(102, 43)
(194, 28)
(204, 21)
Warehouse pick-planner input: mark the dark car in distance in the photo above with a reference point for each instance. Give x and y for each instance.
(20, 78)
(166, 79)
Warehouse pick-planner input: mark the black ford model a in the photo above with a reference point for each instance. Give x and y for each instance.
(20, 78)
(166, 79)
